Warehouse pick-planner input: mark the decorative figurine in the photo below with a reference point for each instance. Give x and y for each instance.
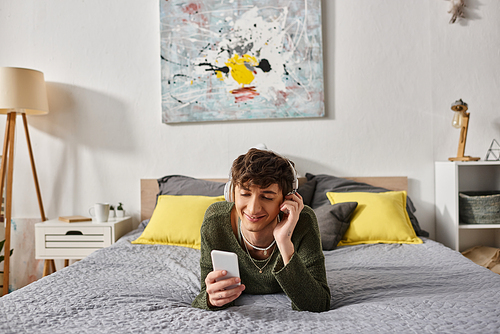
(456, 9)
(494, 151)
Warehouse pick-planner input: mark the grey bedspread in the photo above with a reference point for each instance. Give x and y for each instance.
(128, 288)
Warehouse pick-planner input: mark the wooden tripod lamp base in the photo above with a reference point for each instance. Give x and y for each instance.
(22, 91)
(461, 121)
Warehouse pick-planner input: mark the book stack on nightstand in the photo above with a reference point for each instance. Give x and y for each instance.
(56, 239)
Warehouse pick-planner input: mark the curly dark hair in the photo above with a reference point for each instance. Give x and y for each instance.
(263, 168)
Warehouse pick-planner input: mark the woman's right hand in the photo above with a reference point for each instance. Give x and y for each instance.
(217, 294)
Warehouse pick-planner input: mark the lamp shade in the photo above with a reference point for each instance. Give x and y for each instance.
(22, 90)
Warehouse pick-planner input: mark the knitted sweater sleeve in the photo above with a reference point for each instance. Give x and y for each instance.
(303, 279)
(208, 228)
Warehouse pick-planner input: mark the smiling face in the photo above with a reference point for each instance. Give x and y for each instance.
(258, 207)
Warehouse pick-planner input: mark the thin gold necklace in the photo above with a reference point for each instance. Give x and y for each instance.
(255, 264)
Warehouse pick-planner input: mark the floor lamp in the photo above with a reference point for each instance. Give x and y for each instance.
(22, 91)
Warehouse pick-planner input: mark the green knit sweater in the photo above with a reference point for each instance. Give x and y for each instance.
(303, 279)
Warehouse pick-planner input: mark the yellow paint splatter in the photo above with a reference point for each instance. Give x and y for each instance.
(239, 71)
(219, 75)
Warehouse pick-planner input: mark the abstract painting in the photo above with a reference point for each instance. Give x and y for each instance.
(241, 59)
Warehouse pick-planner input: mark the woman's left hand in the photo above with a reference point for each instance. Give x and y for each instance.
(291, 207)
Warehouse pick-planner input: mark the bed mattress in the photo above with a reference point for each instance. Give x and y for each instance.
(379, 288)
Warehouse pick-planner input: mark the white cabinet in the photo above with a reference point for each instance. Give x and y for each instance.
(452, 178)
(59, 240)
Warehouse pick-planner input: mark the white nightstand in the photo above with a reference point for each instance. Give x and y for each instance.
(451, 179)
(55, 239)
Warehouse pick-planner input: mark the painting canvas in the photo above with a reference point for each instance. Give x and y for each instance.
(24, 268)
(241, 59)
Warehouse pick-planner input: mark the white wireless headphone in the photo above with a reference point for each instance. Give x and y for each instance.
(229, 187)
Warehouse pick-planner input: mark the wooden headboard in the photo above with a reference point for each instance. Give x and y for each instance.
(149, 189)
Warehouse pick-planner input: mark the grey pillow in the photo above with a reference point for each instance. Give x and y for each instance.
(185, 185)
(306, 190)
(326, 183)
(333, 222)
(143, 225)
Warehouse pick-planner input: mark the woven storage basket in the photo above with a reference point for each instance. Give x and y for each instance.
(479, 207)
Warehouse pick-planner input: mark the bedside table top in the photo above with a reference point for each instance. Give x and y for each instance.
(57, 222)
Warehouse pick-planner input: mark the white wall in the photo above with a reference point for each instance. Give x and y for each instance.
(392, 70)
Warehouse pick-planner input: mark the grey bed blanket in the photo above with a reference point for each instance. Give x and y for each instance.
(379, 288)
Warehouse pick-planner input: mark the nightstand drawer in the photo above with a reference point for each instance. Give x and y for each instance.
(60, 240)
(72, 241)
(76, 238)
(82, 237)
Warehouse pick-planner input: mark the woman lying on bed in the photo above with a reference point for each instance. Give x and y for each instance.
(276, 252)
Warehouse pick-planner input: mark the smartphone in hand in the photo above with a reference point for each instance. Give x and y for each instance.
(227, 261)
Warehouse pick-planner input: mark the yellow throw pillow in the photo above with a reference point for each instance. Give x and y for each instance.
(379, 218)
(177, 220)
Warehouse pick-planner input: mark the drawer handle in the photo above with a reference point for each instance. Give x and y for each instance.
(74, 233)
